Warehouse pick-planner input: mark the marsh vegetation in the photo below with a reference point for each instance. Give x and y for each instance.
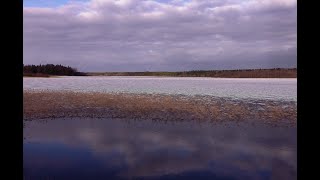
(154, 107)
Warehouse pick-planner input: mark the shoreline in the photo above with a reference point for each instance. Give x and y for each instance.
(235, 73)
(54, 104)
(154, 76)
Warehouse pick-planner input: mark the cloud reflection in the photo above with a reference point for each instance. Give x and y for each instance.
(155, 149)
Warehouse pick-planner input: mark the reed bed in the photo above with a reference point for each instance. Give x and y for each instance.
(52, 104)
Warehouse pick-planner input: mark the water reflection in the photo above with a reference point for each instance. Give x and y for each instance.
(118, 149)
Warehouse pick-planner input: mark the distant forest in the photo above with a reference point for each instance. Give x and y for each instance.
(240, 73)
(49, 69)
(59, 70)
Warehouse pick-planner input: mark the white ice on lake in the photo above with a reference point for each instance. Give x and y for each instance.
(284, 89)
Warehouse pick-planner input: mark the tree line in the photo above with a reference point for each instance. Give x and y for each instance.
(50, 69)
(60, 70)
(237, 73)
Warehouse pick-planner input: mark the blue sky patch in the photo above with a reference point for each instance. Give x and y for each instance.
(47, 3)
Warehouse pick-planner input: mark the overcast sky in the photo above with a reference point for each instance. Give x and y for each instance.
(161, 35)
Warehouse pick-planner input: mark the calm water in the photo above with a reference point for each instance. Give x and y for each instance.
(120, 149)
(273, 89)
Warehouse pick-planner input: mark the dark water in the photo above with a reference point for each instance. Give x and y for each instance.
(118, 149)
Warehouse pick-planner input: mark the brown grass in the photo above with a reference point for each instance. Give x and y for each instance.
(156, 107)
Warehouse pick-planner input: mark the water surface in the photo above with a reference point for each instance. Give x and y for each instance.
(127, 149)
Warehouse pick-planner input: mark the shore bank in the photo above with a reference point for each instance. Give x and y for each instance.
(53, 104)
(239, 73)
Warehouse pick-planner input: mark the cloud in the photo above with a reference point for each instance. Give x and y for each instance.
(138, 35)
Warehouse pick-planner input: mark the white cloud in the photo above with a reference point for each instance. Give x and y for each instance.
(212, 34)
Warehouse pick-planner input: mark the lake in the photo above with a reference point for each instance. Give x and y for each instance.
(87, 148)
(136, 148)
(253, 88)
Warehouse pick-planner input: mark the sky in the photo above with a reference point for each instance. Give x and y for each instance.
(160, 35)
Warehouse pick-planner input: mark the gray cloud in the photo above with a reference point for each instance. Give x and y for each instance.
(139, 35)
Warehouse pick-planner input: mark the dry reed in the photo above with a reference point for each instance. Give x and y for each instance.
(49, 104)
